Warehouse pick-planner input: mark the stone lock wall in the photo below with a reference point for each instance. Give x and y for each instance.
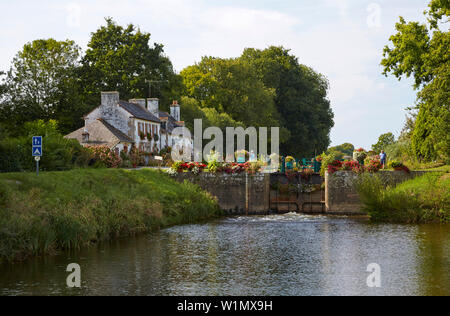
(237, 194)
(341, 196)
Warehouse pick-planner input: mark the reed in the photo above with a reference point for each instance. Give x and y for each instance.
(72, 209)
(421, 200)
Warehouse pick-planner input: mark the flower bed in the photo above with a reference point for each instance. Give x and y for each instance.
(398, 166)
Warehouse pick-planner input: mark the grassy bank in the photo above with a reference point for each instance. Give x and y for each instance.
(421, 200)
(67, 210)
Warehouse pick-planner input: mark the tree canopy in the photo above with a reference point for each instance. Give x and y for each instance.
(384, 141)
(121, 59)
(422, 51)
(52, 80)
(267, 88)
(41, 84)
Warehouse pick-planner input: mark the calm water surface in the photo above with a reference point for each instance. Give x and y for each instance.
(273, 255)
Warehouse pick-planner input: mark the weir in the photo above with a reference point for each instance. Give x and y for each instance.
(262, 194)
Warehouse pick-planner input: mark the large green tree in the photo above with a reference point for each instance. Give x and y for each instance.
(346, 149)
(300, 98)
(122, 59)
(267, 88)
(422, 51)
(384, 141)
(231, 86)
(42, 84)
(191, 110)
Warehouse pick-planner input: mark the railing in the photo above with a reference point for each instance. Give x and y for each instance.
(301, 164)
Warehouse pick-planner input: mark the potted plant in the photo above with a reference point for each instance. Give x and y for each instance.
(290, 162)
(149, 137)
(360, 155)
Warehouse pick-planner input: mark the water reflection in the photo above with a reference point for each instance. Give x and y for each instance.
(273, 255)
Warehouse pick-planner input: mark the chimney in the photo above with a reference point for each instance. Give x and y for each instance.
(140, 102)
(153, 106)
(85, 136)
(110, 99)
(175, 111)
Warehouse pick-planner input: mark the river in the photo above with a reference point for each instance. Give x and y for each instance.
(268, 255)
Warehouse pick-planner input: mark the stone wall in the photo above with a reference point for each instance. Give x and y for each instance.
(341, 196)
(237, 194)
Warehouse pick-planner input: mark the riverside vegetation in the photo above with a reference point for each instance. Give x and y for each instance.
(423, 199)
(71, 209)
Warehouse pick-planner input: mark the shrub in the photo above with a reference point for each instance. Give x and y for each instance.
(334, 166)
(326, 160)
(373, 164)
(103, 155)
(398, 166)
(58, 154)
(420, 200)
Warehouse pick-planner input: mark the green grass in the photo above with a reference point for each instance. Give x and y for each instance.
(424, 199)
(69, 210)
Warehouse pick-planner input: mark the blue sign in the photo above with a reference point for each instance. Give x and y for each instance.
(37, 151)
(37, 141)
(37, 146)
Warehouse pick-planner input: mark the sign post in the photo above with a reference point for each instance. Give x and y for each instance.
(37, 151)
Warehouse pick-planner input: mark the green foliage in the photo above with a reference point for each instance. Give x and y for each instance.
(69, 210)
(122, 59)
(420, 200)
(209, 116)
(42, 84)
(231, 86)
(384, 141)
(301, 99)
(343, 150)
(266, 88)
(400, 151)
(422, 51)
(327, 158)
(59, 153)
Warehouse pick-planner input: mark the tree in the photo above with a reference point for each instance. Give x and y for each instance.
(383, 142)
(267, 88)
(210, 117)
(423, 51)
(41, 84)
(122, 59)
(301, 99)
(231, 86)
(346, 149)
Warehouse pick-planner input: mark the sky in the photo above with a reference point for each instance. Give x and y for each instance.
(342, 39)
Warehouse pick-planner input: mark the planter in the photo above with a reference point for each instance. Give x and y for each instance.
(290, 165)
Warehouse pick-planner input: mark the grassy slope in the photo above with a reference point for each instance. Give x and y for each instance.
(66, 210)
(420, 200)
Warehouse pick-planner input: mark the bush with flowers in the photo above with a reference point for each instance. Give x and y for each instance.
(103, 155)
(373, 164)
(334, 166)
(136, 157)
(194, 167)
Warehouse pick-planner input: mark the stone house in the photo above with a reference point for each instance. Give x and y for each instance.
(121, 125)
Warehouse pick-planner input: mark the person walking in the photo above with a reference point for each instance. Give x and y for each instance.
(383, 159)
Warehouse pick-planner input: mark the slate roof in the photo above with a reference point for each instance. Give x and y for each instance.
(138, 112)
(120, 135)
